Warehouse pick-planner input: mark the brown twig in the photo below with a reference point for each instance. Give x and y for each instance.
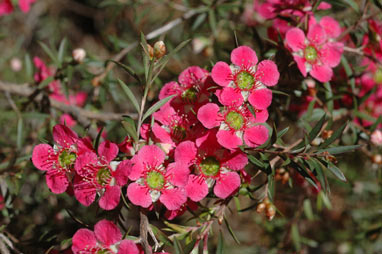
(143, 229)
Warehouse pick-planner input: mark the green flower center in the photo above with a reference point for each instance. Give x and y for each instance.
(210, 166)
(104, 251)
(190, 94)
(378, 76)
(310, 54)
(234, 120)
(155, 180)
(66, 158)
(245, 80)
(103, 176)
(179, 133)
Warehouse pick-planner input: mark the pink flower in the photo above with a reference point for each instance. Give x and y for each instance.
(106, 238)
(190, 91)
(376, 137)
(100, 175)
(126, 146)
(6, 7)
(58, 161)
(25, 5)
(245, 77)
(2, 202)
(235, 121)
(213, 166)
(316, 53)
(174, 127)
(154, 180)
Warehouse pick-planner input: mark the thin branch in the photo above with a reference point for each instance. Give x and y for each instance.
(143, 229)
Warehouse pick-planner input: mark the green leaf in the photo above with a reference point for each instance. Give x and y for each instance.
(198, 21)
(62, 50)
(50, 53)
(212, 21)
(352, 4)
(28, 66)
(349, 72)
(296, 237)
(282, 132)
(336, 171)
(129, 126)
(339, 149)
(156, 106)
(127, 69)
(220, 247)
(231, 231)
(375, 125)
(45, 82)
(308, 209)
(130, 95)
(334, 136)
(329, 96)
(19, 141)
(178, 247)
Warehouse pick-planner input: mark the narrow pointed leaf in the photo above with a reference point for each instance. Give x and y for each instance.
(130, 95)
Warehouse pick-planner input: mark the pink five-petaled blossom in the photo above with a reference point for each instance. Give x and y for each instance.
(106, 238)
(214, 166)
(58, 161)
(316, 53)
(191, 90)
(100, 175)
(236, 123)
(153, 180)
(6, 7)
(245, 75)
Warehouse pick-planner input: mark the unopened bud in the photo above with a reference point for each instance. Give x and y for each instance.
(285, 178)
(377, 158)
(151, 51)
(270, 212)
(317, 141)
(79, 55)
(16, 64)
(376, 138)
(326, 134)
(159, 49)
(260, 208)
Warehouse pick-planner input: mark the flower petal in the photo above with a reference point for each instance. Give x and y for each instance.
(84, 192)
(256, 136)
(64, 136)
(122, 172)
(107, 151)
(185, 152)
(83, 239)
(261, 116)
(260, 98)
(331, 26)
(228, 139)
(169, 89)
(322, 73)
(244, 56)
(196, 188)
(229, 96)
(236, 161)
(300, 64)
(208, 115)
(221, 73)
(110, 199)
(178, 173)
(42, 157)
(316, 34)
(227, 184)
(173, 199)
(25, 5)
(57, 181)
(107, 232)
(151, 155)
(192, 76)
(330, 54)
(128, 247)
(295, 39)
(267, 73)
(139, 195)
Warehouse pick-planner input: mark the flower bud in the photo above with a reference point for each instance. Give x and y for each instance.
(260, 208)
(151, 51)
(16, 64)
(270, 211)
(285, 178)
(377, 158)
(79, 55)
(326, 134)
(159, 49)
(376, 137)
